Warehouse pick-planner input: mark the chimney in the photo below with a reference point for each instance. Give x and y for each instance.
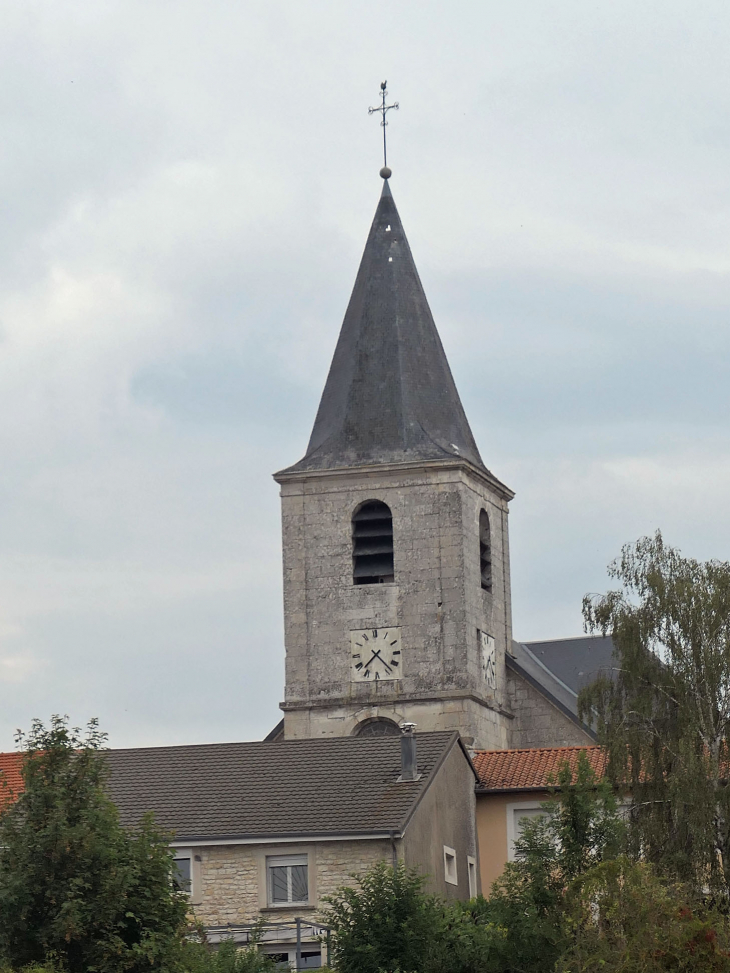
(409, 763)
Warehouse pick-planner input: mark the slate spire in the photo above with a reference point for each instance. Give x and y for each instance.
(390, 396)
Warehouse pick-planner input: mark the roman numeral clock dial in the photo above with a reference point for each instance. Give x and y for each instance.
(489, 659)
(375, 655)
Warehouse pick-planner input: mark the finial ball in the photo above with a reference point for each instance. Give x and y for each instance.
(386, 172)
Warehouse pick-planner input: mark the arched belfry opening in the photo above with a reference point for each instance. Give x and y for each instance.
(485, 551)
(372, 543)
(377, 727)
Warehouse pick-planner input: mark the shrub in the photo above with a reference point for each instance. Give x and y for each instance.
(388, 923)
(623, 919)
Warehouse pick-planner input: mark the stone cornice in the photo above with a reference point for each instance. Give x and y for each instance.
(422, 466)
(394, 699)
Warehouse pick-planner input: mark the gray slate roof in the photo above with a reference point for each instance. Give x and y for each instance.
(390, 396)
(560, 668)
(266, 789)
(576, 662)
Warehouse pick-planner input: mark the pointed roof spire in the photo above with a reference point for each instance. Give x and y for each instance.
(390, 396)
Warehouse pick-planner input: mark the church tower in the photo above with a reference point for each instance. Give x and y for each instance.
(396, 558)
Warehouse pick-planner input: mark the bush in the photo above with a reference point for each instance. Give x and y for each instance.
(622, 919)
(388, 923)
(228, 958)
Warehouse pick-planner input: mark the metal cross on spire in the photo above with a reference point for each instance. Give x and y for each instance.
(384, 109)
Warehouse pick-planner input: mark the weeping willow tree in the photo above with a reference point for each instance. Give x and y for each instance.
(663, 711)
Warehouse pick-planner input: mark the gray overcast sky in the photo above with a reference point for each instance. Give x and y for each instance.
(187, 187)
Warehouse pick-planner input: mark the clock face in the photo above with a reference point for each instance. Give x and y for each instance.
(375, 655)
(489, 660)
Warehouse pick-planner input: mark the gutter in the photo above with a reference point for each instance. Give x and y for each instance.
(291, 838)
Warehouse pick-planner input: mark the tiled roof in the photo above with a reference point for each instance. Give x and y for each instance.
(10, 775)
(257, 790)
(517, 770)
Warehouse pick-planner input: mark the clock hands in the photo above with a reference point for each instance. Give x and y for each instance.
(376, 655)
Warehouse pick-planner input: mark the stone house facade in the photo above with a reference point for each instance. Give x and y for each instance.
(264, 831)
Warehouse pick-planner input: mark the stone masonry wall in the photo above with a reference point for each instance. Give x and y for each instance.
(537, 722)
(436, 600)
(229, 877)
(337, 861)
(233, 878)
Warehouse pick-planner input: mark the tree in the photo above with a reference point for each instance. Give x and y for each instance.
(580, 829)
(622, 919)
(664, 711)
(388, 923)
(75, 887)
(385, 923)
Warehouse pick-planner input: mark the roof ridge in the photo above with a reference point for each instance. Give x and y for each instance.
(566, 638)
(578, 746)
(297, 741)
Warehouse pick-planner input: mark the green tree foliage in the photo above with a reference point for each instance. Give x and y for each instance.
(75, 887)
(388, 923)
(622, 919)
(198, 957)
(663, 714)
(580, 829)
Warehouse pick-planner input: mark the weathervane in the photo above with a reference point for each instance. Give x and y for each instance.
(384, 109)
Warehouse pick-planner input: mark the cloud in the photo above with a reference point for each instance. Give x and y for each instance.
(188, 190)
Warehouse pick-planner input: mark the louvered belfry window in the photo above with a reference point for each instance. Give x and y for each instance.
(485, 551)
(372, 543)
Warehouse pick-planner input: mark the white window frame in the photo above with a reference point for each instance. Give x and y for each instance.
(291, 953)
(511, 829)
(450, 869)
(187, 853)
(283, 861)
(471, 871)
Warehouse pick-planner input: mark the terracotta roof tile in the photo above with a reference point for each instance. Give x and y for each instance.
(10, 775)
(510, 770)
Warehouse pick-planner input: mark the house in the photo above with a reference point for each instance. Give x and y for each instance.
(512, 787)
(266, 830)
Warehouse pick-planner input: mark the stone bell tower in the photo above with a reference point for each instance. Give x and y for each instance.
(396, 557)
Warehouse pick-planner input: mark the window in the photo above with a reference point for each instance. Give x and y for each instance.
(311, 957)
(182, 871)
(450, 866)
(485, 551)
(471, 868)
(287, 880)
(517, 815)
(372, 543)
